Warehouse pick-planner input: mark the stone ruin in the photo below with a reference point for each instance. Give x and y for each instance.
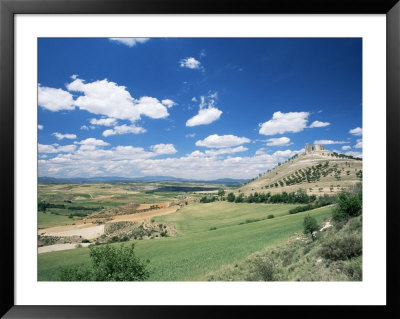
(314, 147)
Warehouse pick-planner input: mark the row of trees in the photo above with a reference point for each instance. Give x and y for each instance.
(43, 205)
(293, 197)
(309, 174)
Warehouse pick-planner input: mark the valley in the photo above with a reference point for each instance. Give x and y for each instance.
(192, 231)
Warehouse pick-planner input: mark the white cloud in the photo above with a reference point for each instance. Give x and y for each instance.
(107, 98)
(194, 99)
(190, 135)
(124, 129)
(346, 147)
(74, 76)
(84, 127)
(163, 149)
(204, 117)
(356, 131)
(60, 136)
(66, 148)
(221, 141)
(207, 112)
(46, 148)
(151, 107)
(40, 127)
(130, 161)
(55, 99)
(319, 124)
(329, 142)
(93, 142)
(56, 149)
(190, 63)
(359, 143)
(261, 151)
(280, 141)
(284, 122)
(130, 42)
(105, 122)
(168, 103)
(228, 150)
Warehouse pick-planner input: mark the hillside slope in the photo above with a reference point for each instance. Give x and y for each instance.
(319, 172)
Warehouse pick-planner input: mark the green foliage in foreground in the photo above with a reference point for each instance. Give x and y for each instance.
(108, 263)
(198, 250)
(335, 256)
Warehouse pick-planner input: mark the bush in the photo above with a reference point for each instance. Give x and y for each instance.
(239, 198)
(264, 270)
(213, 228)
(124, 238)
(85, 241)
(310, 225)
(348, 205)
(109, 263)
(342, 248)
(270, 216)
(354, 269)
(231, 197)
(252, 220)
(76, 273)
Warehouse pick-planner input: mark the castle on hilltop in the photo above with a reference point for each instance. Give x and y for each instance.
(314, 147)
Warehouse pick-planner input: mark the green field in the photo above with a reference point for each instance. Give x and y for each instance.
(112, 195)
(198, 250)
(49, 220)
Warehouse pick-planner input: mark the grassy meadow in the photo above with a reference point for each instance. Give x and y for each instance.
(238, 230)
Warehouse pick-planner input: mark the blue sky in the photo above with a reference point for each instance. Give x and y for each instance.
(201, 108)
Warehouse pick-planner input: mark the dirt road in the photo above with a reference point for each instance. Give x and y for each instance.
(87, 231)
(58, 247)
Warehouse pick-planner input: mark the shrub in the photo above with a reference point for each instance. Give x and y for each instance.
(252, 220)
(240, 198)
(354, 269)
(76, 273)
(342, 248)
(85, 241)
(231, 197)
(108, 263)
(124, 238)
(310, 225)
(270, 216)
(264, 270)
(213, 228)
(348, 205)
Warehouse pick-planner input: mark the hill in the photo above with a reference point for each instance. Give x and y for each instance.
(317, 172)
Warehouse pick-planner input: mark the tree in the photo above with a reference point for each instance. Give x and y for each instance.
(310, 225)
(221, 193)
(109, 263)
(231, 197)
(240, 198)
(348, 205)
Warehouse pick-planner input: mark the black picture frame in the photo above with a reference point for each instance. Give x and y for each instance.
(8, 8)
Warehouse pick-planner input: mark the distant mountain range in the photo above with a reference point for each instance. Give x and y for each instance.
(117, 179)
